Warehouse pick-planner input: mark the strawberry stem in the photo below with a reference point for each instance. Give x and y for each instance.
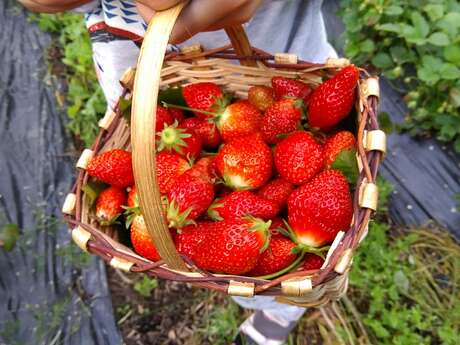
(169, 105)
(289, 268)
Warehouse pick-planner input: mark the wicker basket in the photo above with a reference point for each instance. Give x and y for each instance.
(154, 71)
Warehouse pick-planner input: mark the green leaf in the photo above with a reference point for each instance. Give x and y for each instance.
(9, 235)
(434, 11)
(439, 39)
(452, 53)
(449, 71)
(92, 189)
(420, 24)
(393, 10)
(450, 23)
(401, 281)
(382, 60)
(125, 108)
(401, 54)
(172, 95)
(457, 145)
(385, 122)
(346, 163)
(389, 27)
(454, 96)
(367, 46)
(145, 286)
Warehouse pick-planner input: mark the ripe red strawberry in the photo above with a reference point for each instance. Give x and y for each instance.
(132, 198)
(318, 210)
(202, 96)
(278, 255)
(333, 99)
(235, 247)
(337, 143)
(177, 114)
(299, 157)
(277, 190)
(141, 241)
(291, 88)
(312, 262)
(205, 129)
(163, 119)
(185, 141)
(281, 118)
(277, 223)
(191, 236)
(189, 197)
(113, 167)
(237, 120)
(245, 163)
(242, 203)
(109, 204)
(261, 97)
(204, 168)
(169, 167)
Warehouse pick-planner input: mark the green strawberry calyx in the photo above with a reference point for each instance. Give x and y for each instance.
(172, 138)
(176, 218)
(213, 212)
(300, 247)
(262, 227)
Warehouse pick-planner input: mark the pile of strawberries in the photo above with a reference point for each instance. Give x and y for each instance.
(248, 186)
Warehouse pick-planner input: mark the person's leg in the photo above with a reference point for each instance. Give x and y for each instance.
(270, 324)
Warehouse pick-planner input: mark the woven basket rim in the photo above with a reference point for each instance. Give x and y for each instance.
(366, 104)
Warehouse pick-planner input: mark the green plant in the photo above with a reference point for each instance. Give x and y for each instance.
(416, 44)
(145, 286)
(72, 46)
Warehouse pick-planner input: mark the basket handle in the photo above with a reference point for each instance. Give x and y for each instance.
(144, 103)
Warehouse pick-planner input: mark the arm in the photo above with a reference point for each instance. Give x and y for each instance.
(52, 6)
(201, 15)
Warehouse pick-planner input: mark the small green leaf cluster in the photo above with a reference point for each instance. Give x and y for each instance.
(84, 99)
(416, 44)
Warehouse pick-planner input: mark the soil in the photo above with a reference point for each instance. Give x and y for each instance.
(184, 315)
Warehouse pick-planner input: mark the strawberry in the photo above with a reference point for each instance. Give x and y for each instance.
(177, 115)
(205, 129)
(283, 117)
(292, 88)
(191, 236)
(299, 157)
(185, 141)
(204, 168)
(277, 223)
(337, 143)
(113, 167)
(245, 163)
(333, 99)
(312, 262)
(202, 96)
(169, 167)
(277, 190)
(237, 120)
(261, 97)
(141, 241)
(109, 204)
(163, 118)
(235, 247)
(278, 255)
(318, 210)
(189, 197)
(242, 203)
(132, 200)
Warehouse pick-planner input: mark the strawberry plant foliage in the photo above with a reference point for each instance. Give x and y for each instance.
(416, 44)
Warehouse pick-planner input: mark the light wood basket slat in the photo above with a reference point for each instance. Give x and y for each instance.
(154, 71)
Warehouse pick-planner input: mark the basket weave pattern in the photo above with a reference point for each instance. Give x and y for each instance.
(305, 288)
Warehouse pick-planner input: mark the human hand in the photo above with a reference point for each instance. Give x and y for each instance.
(201, 15)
